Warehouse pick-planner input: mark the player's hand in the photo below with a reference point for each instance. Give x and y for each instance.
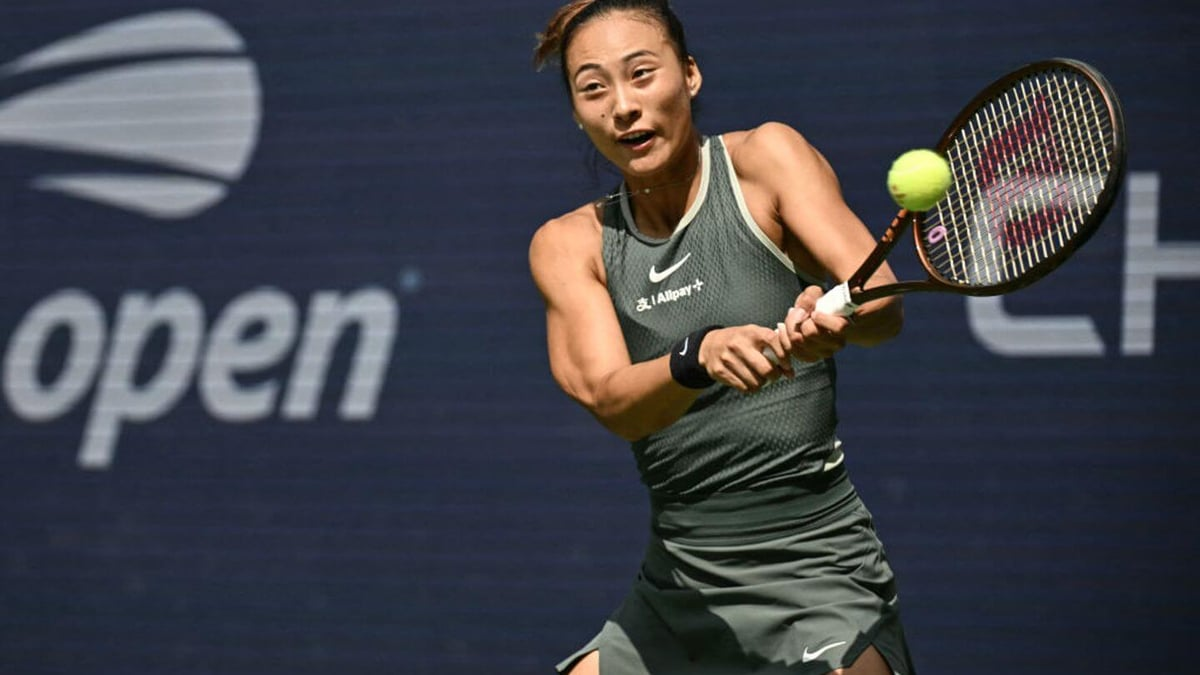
(735, 356)
(811, 336)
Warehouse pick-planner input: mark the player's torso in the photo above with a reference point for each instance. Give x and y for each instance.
(717, 268)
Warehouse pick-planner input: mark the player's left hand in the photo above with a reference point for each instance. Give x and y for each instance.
(810, 336)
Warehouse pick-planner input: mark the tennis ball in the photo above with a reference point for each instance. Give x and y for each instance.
(919, 179)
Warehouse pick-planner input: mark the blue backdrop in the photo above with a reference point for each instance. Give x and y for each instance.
(275, 396)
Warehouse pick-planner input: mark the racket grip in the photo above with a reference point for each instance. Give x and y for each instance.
(837, 301)
(779, 328)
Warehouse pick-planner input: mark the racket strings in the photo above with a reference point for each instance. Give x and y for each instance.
(1029, 167)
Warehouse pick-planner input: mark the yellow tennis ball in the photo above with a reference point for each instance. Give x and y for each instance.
(919, 179)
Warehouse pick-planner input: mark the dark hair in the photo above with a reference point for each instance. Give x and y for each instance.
(553, 42)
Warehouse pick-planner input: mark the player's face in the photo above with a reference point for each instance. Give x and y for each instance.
(632, 93)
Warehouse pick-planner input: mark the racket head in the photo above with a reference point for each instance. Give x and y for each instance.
(1037, 160)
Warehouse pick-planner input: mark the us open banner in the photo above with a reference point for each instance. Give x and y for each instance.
(274, 395)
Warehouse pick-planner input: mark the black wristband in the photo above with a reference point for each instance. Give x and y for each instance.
(685, 360)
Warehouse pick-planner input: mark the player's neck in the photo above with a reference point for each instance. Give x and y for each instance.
(659, 202)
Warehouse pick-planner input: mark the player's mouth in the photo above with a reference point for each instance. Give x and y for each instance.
(636, 140)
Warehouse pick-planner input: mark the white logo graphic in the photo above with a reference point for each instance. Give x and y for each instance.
(659, 277)
(107, 354)
(1148, 261)
(182, 107)
(170, 100)
(645, 304)
(683, 352)
(812, 656)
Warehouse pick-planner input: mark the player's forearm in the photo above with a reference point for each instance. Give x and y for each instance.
(876, 322)
(638, 400)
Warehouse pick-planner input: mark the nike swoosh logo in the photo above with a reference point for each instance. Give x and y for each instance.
(812, 656)
(683, 352)
(657, 277)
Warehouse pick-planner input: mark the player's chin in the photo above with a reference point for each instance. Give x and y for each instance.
(647, 164)
(621, 159)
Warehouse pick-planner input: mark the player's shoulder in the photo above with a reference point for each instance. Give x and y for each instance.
(573, 234)
(580, 222)
(763, 149)
(767, 137)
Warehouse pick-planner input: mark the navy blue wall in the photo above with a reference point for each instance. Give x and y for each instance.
(275, 397)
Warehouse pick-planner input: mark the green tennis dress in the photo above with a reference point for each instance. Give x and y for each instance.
(761, 559)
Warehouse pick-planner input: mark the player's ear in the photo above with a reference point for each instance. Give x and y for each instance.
(692, 76)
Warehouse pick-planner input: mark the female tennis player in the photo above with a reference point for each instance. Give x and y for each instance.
(665, 303)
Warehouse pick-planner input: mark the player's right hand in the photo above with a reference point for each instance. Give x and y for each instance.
(812, 336)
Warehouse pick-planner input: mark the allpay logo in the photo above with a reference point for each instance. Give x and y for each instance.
(169, 98)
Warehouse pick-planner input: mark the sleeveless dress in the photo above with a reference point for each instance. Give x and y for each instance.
(762, 558)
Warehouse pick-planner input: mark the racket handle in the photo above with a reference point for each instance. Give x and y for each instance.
(779, 328)
(837, 301)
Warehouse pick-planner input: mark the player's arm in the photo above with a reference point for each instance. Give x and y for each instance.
(588, 355)
(806, 203)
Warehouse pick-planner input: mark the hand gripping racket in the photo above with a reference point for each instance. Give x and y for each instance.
(1037, 159)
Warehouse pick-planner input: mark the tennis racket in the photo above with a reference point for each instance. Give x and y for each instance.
(1037, 159)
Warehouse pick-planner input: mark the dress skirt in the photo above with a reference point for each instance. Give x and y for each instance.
(789, 579)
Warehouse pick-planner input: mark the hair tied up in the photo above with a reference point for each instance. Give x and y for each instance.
(550, 41)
